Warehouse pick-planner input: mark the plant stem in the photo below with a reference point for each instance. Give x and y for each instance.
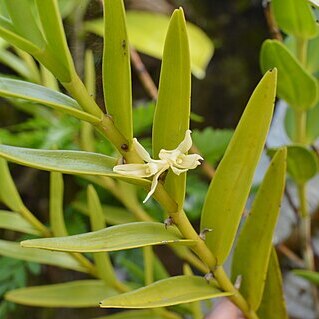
(305, 218)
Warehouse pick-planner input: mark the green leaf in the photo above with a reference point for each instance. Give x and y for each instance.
(116, 68)
(68, 162)
(295, 17)
(312, 127)
(9, 194)
(74, 294)
(229, 189)
(8, 33)
(56, 205)
(42, 95)
(253, 249)
(13, 221)
(295, 85)
(24, 22)
(171, 118)
(166, 292)
(133, 314)
(16, 64)
(309, 275)
(147, 31)
(113, 238)
(14, 250)
(301, 163)
(102, 260)
(52, 26)
(273, 301)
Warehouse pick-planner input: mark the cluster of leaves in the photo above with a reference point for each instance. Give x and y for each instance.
(133, 225)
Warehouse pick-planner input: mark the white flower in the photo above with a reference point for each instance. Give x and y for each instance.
(175, 159)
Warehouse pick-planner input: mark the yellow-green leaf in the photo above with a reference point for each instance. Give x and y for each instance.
(74, 294)
(63, 260)
(14, 221)
(9, 194)
(52, 27)
(166, 292)
(253, 249)
(116, 68)
(8, 33)
(56, 205)
(229, 189)
(273, 301)
(102, 260)
(68, 162)
(295, 85)
(295, 17)
(42, 95)
(171, 118)
(24, 22)
(113, 238)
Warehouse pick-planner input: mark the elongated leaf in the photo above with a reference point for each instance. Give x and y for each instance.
(18, 65)
(295, 17)
(116, 68)
(23, 19)
(253, 249)
(171, 118)
(8, 33)
(114, 238)
(102, 260)
(56, 205)
(54, 33)
(9, 194)
(42, 95)
(166, 292)
(311, 276)
(273, 299)
(68, 162)
(13, 221)
(14, 250)
(295, 85)
(134, 314)
(229, 189)
(75, 294)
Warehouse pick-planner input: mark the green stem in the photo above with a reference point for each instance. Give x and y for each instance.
(305, 218)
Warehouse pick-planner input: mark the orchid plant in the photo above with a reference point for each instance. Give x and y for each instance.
(254, 285)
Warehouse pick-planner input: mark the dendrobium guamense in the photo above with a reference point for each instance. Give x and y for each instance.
(175, 159)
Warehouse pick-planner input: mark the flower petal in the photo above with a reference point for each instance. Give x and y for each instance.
(154, 184)
(178, 171)
(186, 143)
(188, 161)
(140, 170)
(142, 152)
